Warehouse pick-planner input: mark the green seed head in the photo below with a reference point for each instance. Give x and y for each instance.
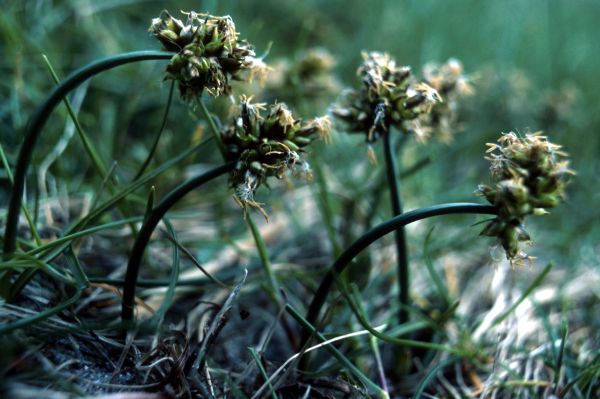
(267, 141)
(209, 53)
(309, 75)
(389, 96)
(528, 176)
(451, 83)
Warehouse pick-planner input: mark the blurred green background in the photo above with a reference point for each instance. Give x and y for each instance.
(534, 65)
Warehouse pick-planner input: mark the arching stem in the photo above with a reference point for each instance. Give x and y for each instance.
(376, 233)
(150, 223)
(39, 119)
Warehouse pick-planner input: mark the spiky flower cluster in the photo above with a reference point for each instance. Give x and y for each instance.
(528, 176)
(309, 75)
(267, 141)
(451, 83)
(389, 96)
(209, 53)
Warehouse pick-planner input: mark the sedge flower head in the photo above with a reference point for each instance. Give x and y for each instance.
(268, 141)
(451, 83)
(389, 96)
(209, 53)
(527, 178)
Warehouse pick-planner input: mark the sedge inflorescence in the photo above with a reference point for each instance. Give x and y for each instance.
(308, 75)
(527, 175)
(208, 53)
(268, 141)
(452, 84)
(389, 96)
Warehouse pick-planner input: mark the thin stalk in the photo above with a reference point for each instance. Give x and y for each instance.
(376, 233)
(85, 140)
(39, 119)
(157, 138)
(262, 370)
(191, 282)
(374, 344)
(325, 207)
(272, 284)
(213, 128)
(431, 375)
(217, 325)
(170, 292)
(442, 290)
(559, 360)
(82, 233)
(150, 223)
(353, 299)
(30, 220)
(534, 284)
(400, 236)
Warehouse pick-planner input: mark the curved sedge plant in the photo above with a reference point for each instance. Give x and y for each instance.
(212, 75)
(152, 219)
(527, 175)
(182, 44)
(388, 98)
(257, 144)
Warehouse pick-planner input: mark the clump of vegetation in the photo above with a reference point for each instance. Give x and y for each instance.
(208, 53)
(237, 329)
(389, 96)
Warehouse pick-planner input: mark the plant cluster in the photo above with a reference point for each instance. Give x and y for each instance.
(268, 141)
(527, 175)
(208, 53)
(449, 80)
(309, 76)
(389, 96)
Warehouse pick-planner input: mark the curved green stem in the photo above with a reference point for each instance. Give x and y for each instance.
(39, 119)
(400, 236)
(150, 223)
(30, 220)
(376, 233)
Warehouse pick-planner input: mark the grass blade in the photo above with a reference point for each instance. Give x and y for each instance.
(158, 135)
(373, 387)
